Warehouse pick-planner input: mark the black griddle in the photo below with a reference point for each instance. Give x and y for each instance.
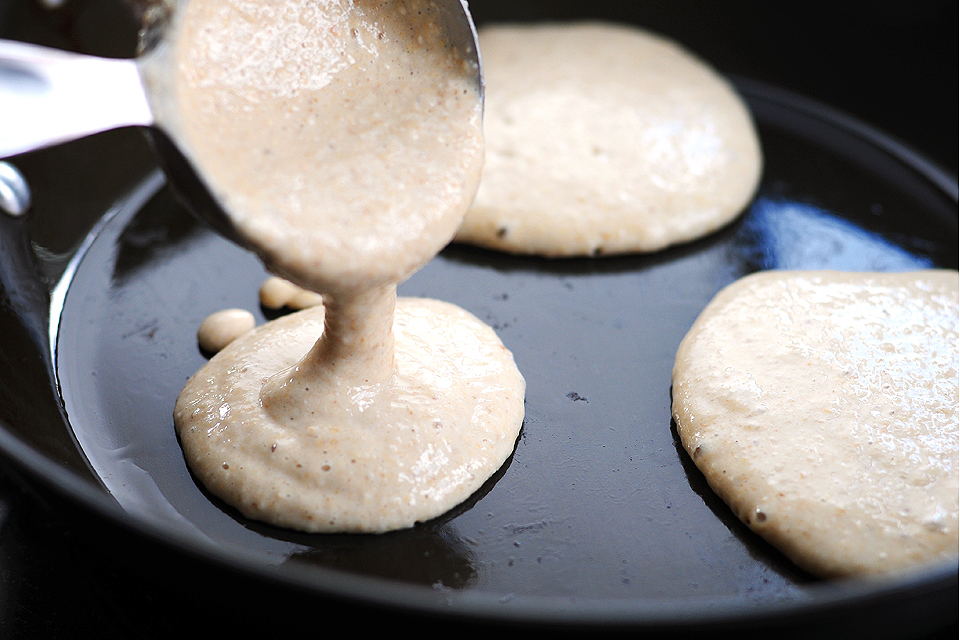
(598, 522)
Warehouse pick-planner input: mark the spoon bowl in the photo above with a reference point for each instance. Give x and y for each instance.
(55, 96)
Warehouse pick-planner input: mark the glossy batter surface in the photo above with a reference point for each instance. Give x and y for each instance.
(822, 407)
(605, 139)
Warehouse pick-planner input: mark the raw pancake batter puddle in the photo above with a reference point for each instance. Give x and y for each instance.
(332, 457)
(344, 140)
(822, 408)
(605, 139)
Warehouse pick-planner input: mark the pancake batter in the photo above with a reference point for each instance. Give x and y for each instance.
(822, 407)
(605, 139)
(344, 139)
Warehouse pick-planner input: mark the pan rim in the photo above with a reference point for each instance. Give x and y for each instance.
(674, 613)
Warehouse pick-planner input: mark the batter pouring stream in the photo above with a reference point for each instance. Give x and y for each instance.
(344, 139)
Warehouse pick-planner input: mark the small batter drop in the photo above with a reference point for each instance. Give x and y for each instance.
(344, 139)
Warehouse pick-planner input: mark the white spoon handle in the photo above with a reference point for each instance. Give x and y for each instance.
(48, 96)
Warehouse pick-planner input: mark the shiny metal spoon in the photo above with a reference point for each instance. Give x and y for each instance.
(49, 96)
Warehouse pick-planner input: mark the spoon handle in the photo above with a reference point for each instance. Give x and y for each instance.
(48, 96)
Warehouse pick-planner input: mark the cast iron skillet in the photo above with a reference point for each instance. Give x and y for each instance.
(599, 520)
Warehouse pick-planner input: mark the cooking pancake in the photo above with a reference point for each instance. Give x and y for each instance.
(344, 142)
(392, 455)
(822, 408)
(605, 139)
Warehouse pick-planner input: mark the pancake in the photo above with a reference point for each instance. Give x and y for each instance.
(822, 408)
(370, 458)
(604, 139)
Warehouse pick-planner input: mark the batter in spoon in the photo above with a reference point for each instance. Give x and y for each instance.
(344, 139)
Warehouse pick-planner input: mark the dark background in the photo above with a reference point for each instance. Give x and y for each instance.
(892, 63)
(64, 573)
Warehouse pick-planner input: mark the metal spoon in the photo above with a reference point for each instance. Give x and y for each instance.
(49, 96)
